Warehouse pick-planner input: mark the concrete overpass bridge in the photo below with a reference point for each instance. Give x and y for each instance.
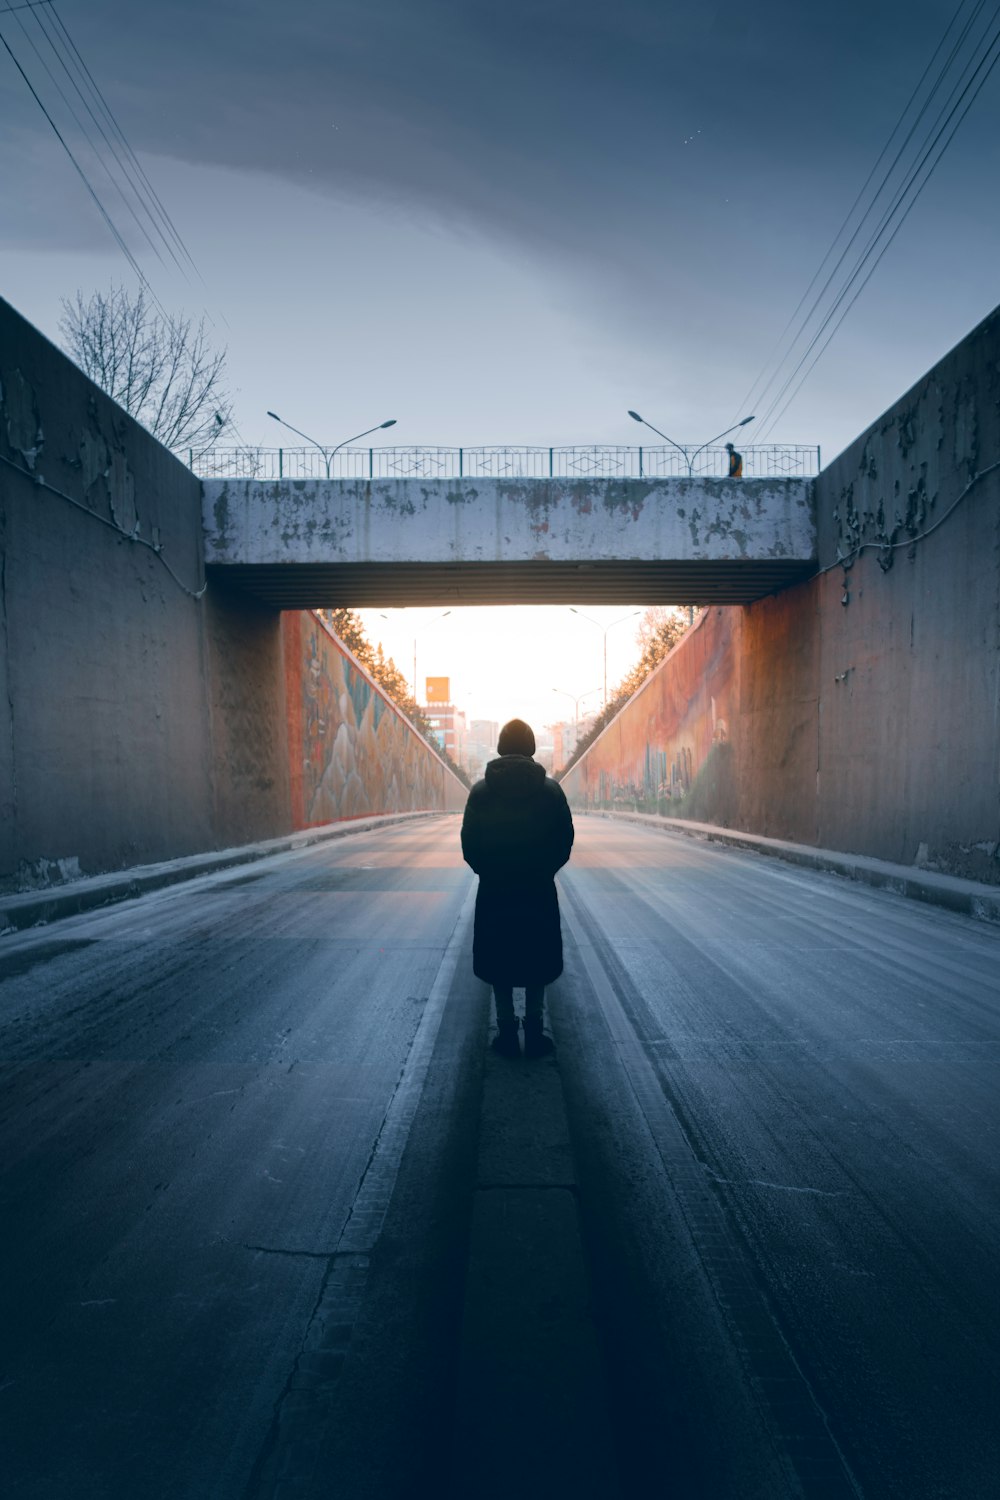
(301, 543)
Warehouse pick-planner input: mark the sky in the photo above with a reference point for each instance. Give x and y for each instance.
(510, 223)
(544, 664)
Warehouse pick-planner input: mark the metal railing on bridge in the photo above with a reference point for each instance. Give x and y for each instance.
(765, 461)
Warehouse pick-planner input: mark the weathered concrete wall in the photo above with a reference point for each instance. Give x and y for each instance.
(144, 715)
(909, 666)
(449, 520)
(246, 689)
(353, 754)
(318, 542)
(861, 708)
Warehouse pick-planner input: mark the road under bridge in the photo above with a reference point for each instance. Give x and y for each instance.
(271, 1230)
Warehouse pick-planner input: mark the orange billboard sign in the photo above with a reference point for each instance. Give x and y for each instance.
(438, 689)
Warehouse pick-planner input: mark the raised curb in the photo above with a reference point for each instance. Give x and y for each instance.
(970, 897)
(32, 908)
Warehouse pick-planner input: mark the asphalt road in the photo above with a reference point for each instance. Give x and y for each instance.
(238, 1133)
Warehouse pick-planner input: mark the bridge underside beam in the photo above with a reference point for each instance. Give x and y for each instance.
(388, 585)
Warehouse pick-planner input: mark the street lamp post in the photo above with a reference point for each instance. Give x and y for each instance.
(329, 454)
(605, 629)
(700, 449)
(576, 701)
(576, 712)
(426, 627)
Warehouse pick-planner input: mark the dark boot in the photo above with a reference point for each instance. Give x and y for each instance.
(505, 1042)
(536, 1043)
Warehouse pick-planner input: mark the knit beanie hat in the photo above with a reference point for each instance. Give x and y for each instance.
(516, 738)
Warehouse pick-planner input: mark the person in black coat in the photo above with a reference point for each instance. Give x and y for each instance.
(516, 833)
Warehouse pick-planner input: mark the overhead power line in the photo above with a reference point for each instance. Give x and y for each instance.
(82, 129)
(92, 191)
(988, 63)
(756, 391)
(153, 197)
(103, 136)
(846, 270)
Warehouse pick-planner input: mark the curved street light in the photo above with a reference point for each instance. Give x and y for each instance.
(690, 461)
(576, 711)
(576, 702)
(605, 628)
(328, 453)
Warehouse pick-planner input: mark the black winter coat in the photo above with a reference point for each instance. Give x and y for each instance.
(516, 833)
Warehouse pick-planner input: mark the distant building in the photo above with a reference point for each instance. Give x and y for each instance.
(448, 728)
(566, 736)
(544, 752)
(480, 746)
(485, 732)
(447, 722)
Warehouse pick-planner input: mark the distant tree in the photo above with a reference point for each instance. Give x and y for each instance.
(347, 627)
(161, 369)
(388, 675)
(661, 627)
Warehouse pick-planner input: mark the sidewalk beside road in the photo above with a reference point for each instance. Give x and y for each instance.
(48, 904)
(970, 897)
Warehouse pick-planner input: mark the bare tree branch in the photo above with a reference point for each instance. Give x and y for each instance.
(163, 371)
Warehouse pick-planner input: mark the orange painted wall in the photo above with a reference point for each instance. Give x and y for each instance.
(654, 754)
(352, 753)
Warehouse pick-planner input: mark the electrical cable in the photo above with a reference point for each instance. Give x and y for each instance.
(82, 175)
(882, 185)
(154, 197)
(753, 393)
(913, 172)
(140, 188)
(123, 165)
(132, 172)
(128, 536)
(887, 219)
(79, 125)
(849, 558)
(772, 416)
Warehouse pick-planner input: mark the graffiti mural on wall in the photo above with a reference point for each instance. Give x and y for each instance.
(353, 754)
(669, 750)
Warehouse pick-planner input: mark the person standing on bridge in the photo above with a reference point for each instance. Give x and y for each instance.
(735, 462)
(516, 833)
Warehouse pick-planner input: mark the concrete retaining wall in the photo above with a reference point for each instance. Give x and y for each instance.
(143, 714)
(353, 754)
(141, 719)
(860, 710)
